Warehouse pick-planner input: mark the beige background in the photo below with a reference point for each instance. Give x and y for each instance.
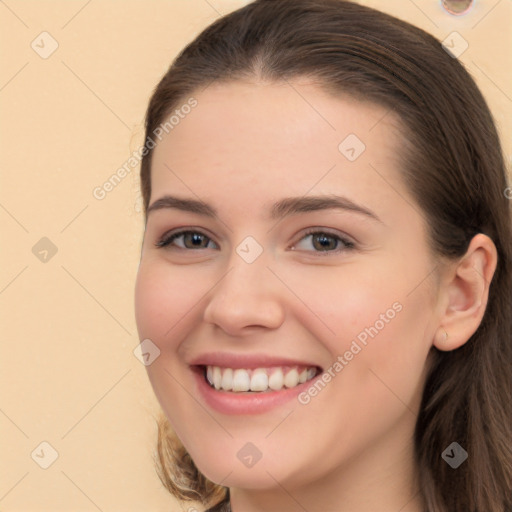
(68, 122)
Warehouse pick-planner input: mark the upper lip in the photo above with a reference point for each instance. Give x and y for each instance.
(247, 361)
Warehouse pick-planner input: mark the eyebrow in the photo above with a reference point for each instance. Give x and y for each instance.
(282, 208)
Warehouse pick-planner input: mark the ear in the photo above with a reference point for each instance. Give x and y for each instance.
(464, 293)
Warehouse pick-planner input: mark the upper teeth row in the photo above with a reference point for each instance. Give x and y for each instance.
(259, 379)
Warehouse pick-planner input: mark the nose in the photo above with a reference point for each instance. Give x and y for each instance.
(247, 297)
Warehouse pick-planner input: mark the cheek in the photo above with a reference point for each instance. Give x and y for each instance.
(376, 301)
(166, 299)
(164, 296)
(343, 301)
(377, 320)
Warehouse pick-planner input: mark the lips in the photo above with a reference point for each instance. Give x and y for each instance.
(246, 384)
(247, 361)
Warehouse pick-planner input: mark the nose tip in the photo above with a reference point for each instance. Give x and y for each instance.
(246, 297)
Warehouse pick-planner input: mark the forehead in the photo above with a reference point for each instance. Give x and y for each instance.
(266, 137)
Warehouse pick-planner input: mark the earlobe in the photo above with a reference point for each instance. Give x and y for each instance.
(441, 338)
(466, 290)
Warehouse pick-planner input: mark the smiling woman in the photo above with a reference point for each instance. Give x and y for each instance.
(326, 269)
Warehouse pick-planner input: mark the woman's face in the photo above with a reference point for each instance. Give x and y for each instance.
(305, 258)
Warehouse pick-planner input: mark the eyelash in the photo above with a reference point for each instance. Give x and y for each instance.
(167, 239)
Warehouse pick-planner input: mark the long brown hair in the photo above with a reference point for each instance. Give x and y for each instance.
(453, 165)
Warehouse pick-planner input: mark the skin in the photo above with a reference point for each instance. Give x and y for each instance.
(245, 146)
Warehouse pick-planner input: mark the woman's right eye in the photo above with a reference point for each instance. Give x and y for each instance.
(186, 240)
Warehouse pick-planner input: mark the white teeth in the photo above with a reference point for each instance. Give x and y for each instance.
(259, 379)
(227, 379)
(276, 381)
(217, 377)
(291, 379)
(241, 380)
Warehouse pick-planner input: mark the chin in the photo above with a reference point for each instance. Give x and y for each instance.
(242, 478)
(224, 467)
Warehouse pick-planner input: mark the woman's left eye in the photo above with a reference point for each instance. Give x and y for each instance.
(325, 242)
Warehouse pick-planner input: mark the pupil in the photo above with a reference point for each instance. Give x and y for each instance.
(196, 239)
(325, 242)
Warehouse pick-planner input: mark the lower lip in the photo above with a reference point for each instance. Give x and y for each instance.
(245, 403)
